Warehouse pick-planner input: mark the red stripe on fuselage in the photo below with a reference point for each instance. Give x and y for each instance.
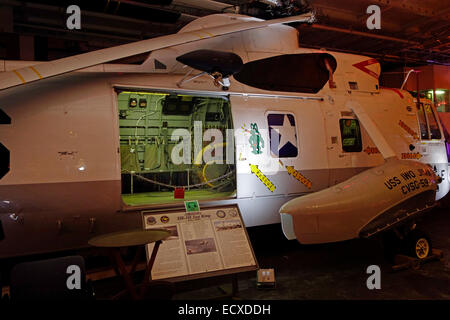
(363, 64)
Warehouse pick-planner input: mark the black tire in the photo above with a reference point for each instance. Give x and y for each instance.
(417, 244)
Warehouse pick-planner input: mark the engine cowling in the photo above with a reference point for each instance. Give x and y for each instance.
(367, 203)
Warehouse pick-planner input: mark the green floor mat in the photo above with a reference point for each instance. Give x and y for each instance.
(160, 197)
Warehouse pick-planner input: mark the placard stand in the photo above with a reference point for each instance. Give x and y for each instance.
(208, 243)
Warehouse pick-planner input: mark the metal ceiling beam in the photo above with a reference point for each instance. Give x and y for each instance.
(73, 35)
(337, 14)
(91, 14)
(6, 19)
(184, 18)
(403, 45)
(136, 34)
(205, 4)
(364, 34)
(112, 17)
(411, 7)
(386, 57)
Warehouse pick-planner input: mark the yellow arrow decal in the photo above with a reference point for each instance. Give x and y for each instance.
(297, 175)
(262, 177)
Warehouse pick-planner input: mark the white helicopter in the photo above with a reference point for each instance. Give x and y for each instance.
(315, 143)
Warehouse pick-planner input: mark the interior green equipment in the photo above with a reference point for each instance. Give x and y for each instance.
(147, 121)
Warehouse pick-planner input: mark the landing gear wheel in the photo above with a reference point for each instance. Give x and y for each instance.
(418, 245)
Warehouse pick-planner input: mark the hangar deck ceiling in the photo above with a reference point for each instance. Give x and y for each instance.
(412, 31)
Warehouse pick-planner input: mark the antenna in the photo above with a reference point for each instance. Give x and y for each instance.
(406, 78)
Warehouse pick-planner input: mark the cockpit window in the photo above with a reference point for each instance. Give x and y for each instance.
(435, 133)
(429, 128)
(422, 122)
(306, 73)
(351, 135)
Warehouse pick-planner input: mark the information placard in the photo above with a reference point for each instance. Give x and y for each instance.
(210, 242)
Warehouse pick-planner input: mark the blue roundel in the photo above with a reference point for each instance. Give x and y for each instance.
(283, 135)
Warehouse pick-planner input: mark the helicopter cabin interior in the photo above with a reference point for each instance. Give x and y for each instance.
(148, 145)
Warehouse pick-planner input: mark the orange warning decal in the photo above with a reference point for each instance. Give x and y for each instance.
(371, 150)
(411, 155)
(408, 129)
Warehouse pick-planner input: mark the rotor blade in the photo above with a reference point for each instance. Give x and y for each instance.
(64, 65)
(372, 129)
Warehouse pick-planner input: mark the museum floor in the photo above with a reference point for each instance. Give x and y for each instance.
(332, 271)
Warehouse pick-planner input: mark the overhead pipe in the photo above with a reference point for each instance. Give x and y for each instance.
(411, 7)
(385, 57)
(364, 34)
(184, 17)
(206, 5)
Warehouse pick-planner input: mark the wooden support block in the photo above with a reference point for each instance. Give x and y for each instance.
(404, 262)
